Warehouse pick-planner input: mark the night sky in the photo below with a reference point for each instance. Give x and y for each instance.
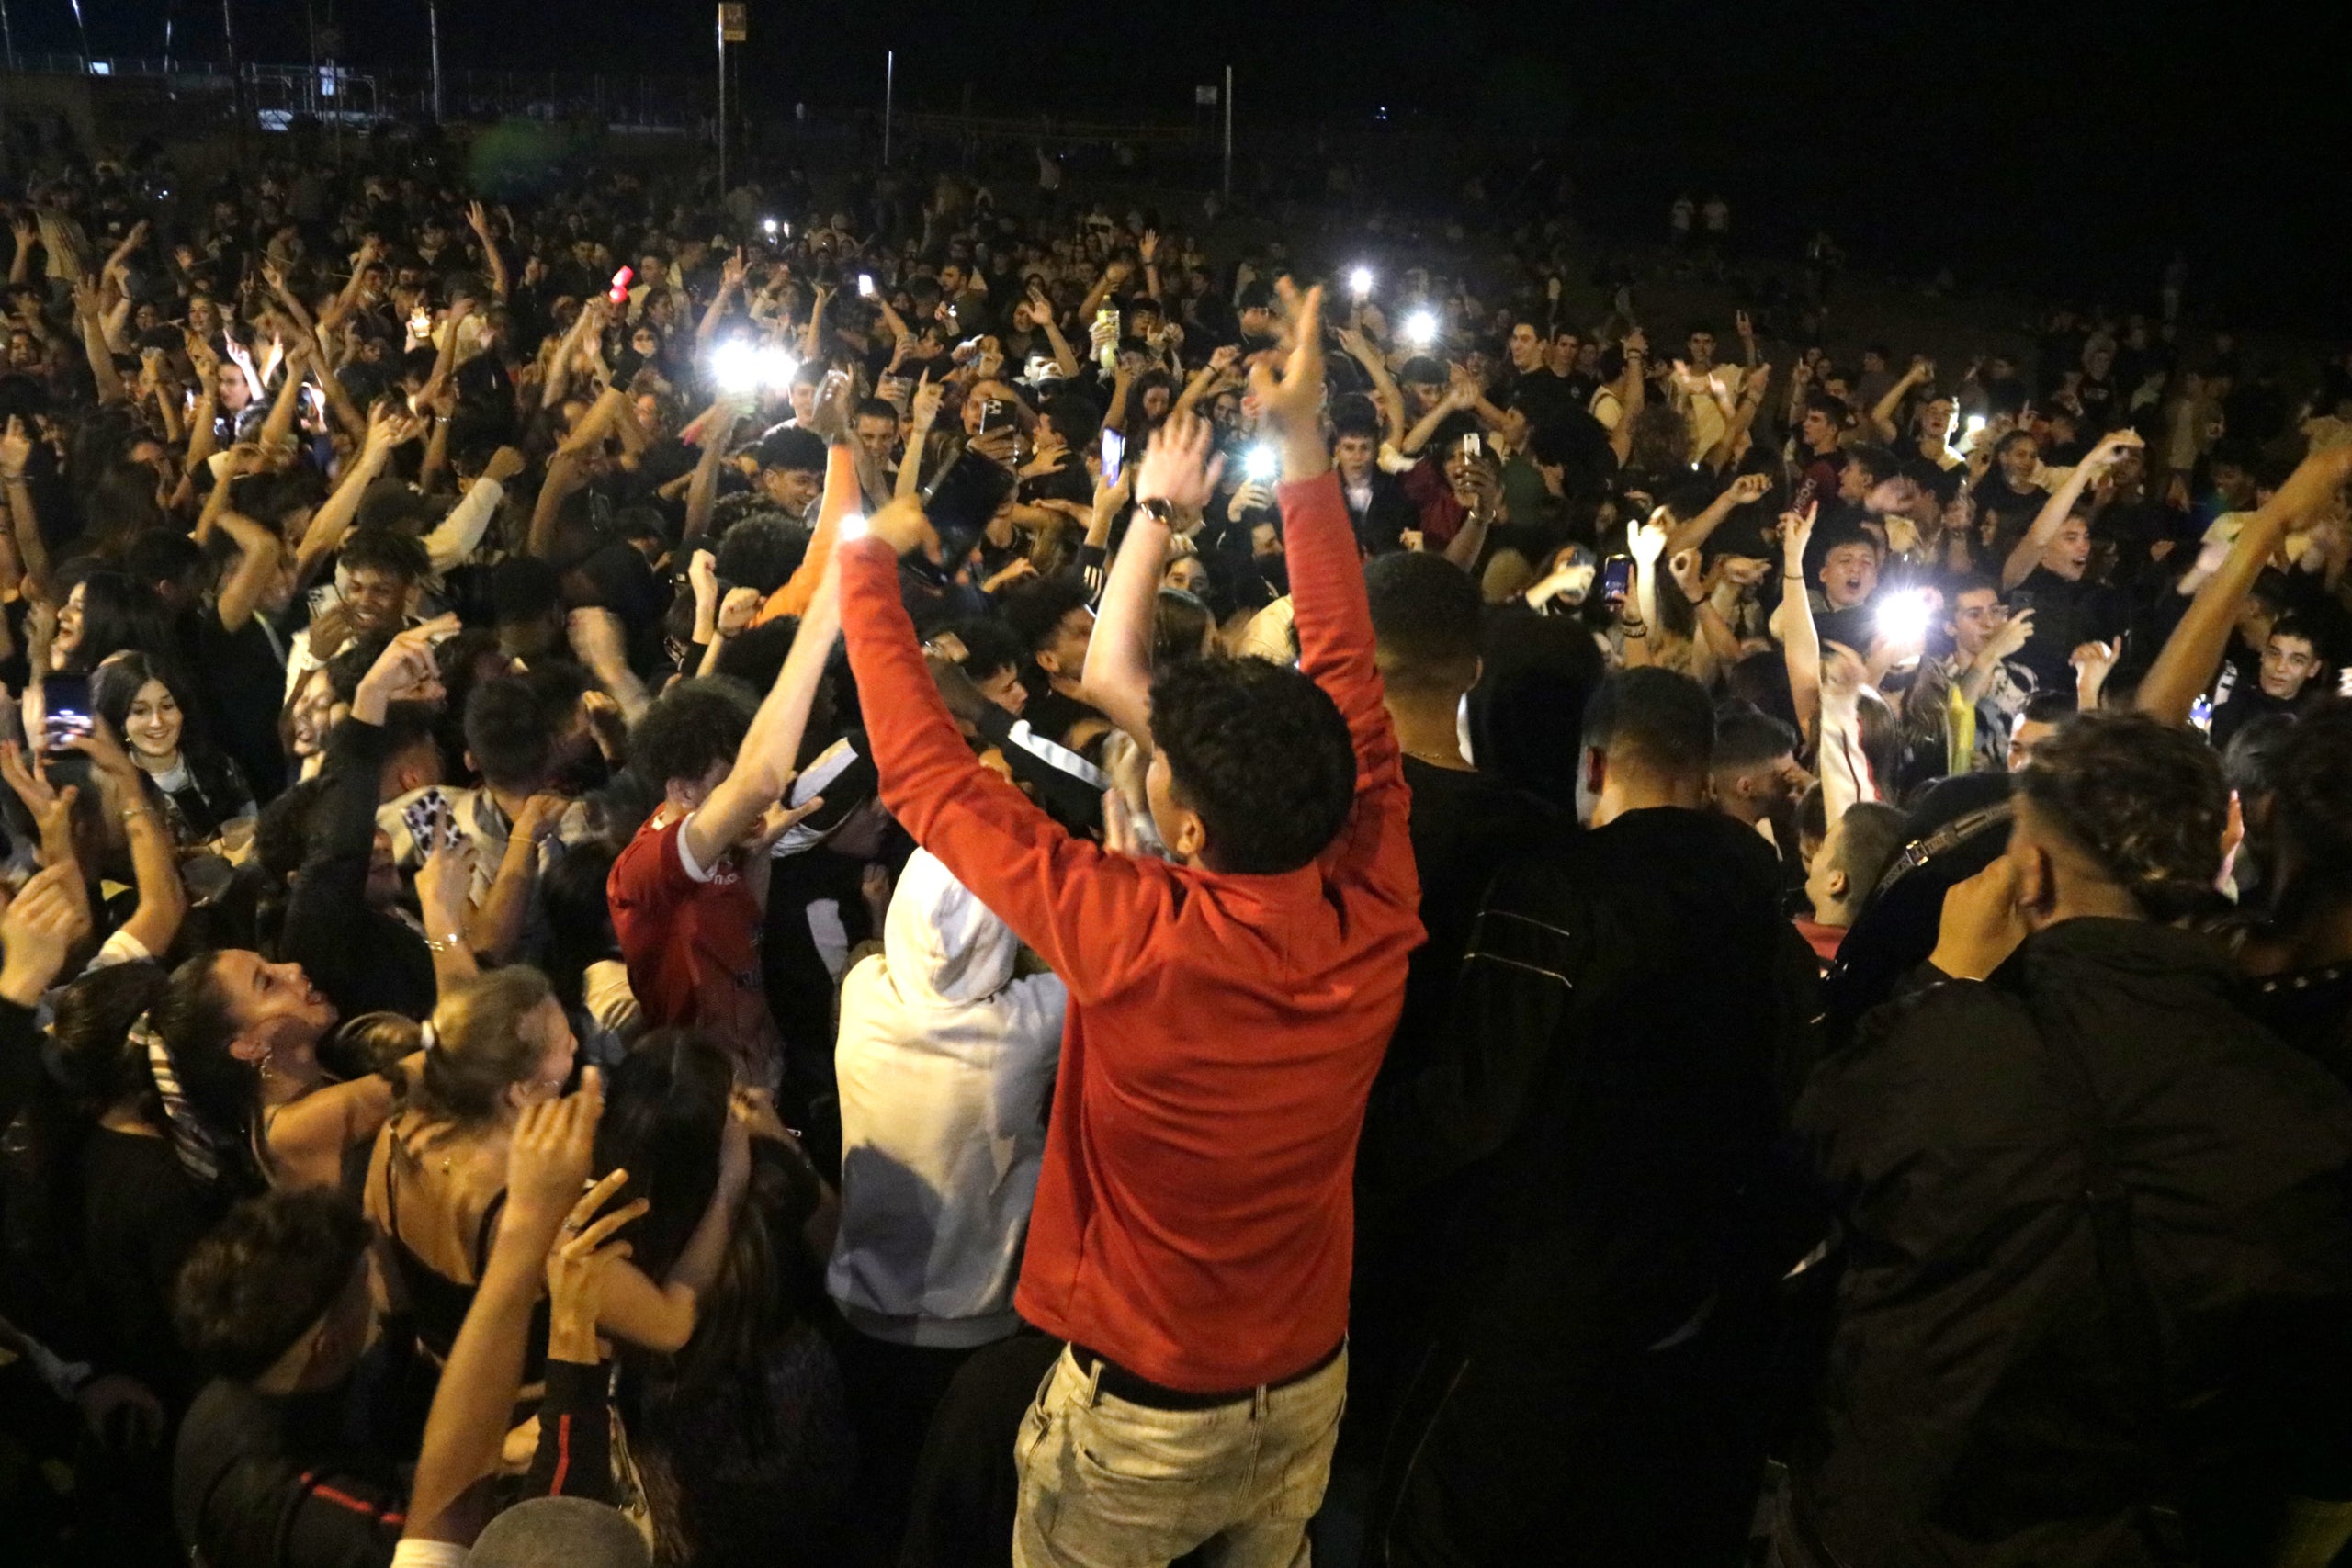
(2083, 135)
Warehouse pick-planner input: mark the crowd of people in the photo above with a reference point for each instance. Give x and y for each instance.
(705, 878)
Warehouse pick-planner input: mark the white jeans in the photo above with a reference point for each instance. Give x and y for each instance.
(1109, 1484)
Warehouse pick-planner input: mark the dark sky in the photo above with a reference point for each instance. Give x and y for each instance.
(2056, 130)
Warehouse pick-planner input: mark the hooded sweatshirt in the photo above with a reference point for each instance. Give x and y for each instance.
(946, 1064)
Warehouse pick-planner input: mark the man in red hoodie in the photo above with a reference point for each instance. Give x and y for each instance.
(1227, 1012)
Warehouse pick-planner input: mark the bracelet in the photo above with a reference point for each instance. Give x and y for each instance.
(444, 944)
(132, 812)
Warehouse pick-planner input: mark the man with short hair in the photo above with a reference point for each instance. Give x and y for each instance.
(1227, 1009)
(1600, 1121)
(2036, 722)
(1054, 619)
(689, 890)
(792, 471)
(1757, 776)
(1427, 622)
(2290, 658)
(1991, 686)
(1853, 855)
(1377, 505)
(2098, 1280)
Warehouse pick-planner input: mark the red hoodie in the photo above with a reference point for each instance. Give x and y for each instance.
(1194, 1220)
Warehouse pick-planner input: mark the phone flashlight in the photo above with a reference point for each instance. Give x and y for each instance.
(1360, 282)
(851, 528)
(866, 285)
(736, 365)
(1421, 328)
(1259, 465)
(768, 226)
(1903, 619)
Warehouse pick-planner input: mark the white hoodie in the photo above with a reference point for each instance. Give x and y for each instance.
(946, 1065)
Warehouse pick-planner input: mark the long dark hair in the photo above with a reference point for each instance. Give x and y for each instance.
(117, 614)
(665, 1116)
(224, 1092)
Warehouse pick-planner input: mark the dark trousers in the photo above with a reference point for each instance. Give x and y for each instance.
(966, 1491)
(1508, 1454)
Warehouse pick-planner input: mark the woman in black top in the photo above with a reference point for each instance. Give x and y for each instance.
(203, 793)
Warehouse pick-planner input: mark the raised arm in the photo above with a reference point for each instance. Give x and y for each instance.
(1882, 416)
(553, 1148)
(1385, 393)
(1744, 490)
(93, 345)
(32, 554)
(1333, 614)
(1041, 310)
(258, 553)
(162, 901)
(386, 429)
(702, 494)
(1632, 386)
(2186, 665)
(492, 258)
(2061, 505)
(1800, 639)
(764, 764)
(1176, 472)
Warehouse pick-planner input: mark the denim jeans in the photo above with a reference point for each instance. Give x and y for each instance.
(1109, 1484)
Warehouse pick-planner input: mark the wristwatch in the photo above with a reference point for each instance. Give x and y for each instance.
(1158, 509)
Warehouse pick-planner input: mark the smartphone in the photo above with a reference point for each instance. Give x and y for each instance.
(994, 415)
(1472, 445)
(422, 817)
(959, 503)
(865, 286)
(1115, 452)
(65, 711)
(1616, 580)
(618, 292)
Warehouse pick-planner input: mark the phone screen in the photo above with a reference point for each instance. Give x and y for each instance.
(1115, 452)
(1616, 578)
(959, 503)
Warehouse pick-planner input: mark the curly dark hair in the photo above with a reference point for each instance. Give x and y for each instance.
(689, 728)
(265, 1275)
(1261, 753)
(2144, 799)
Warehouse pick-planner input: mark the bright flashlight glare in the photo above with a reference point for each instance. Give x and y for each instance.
(776, 365)
(1975, 423)
(1360, 281)
(1421, 328)
(852, 526)
(736, 364)
(1903, 619)
(769, 225)
(865, 284)
(1258, 465)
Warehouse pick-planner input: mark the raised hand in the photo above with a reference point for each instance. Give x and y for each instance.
(1177, 467)
(578, 1265)
(39, 930)
(1291, 405)
(1748, 489)
(16, 448)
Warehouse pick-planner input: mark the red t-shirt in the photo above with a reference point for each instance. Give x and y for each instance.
(690, 938)
(1194, 1220)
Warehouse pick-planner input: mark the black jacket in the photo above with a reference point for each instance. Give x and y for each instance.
(365, 958)
(2099, 1267)
(1605, 1105)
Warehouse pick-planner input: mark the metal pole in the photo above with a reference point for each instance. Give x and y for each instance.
(1228, 136)
(84, 29)
(889, 87)
(433, 22)
(722, 110)
(7, 35)
(236, 79)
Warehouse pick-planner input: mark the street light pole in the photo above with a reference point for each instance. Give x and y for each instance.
(889, 84)
(433, 22)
